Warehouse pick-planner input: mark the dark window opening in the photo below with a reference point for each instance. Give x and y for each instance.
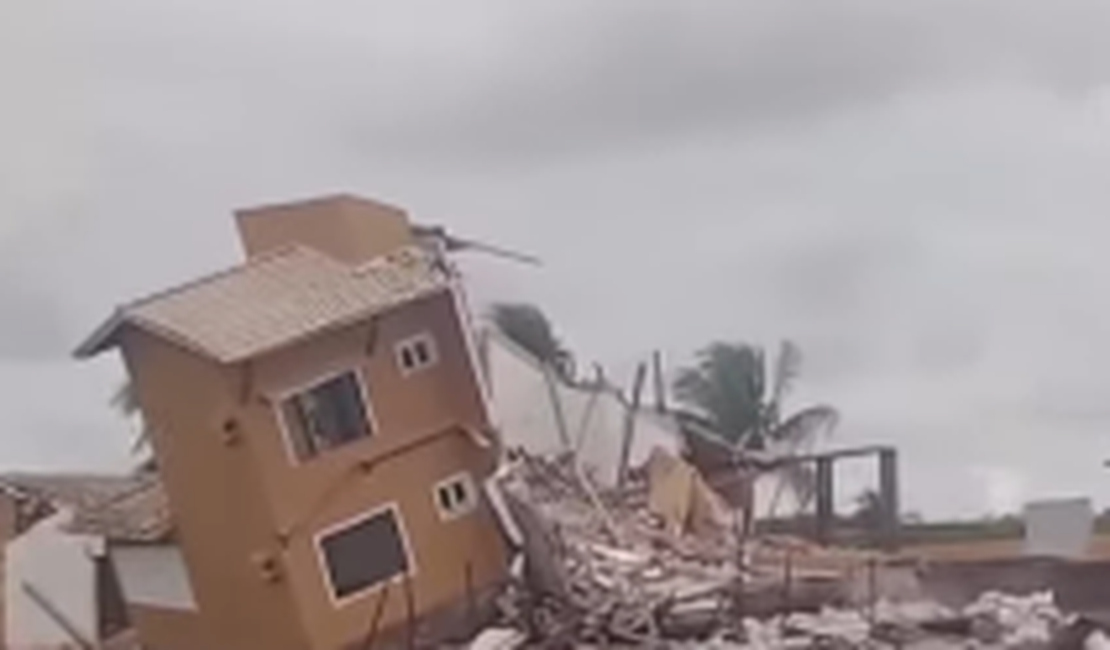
(456, 497)
(329, 415)
(416, 353)
(408, 360)
(365, 554)
(423, 357)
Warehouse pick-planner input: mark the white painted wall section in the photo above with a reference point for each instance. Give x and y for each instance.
(774, 497)
(525, 413)
(61, 567)
(155, 576)
(1059, 527)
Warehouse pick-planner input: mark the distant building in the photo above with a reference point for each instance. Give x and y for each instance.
(58, 586)
(322, 436)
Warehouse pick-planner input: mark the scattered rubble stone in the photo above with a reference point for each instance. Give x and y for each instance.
(608, 570)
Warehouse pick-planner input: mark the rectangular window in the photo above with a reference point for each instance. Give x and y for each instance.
(365, 554)
(456, 496)
(328, 415)
(416, 353)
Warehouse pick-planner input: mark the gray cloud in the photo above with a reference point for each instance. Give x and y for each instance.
(627, 71)
(31, 324)
(915, 191)
(32, 319)
(508, 81)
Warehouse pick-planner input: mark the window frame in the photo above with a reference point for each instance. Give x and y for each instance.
(472, 501)
(338, 602)
(288, 429)
(429, 341)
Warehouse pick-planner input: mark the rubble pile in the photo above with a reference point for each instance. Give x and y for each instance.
(995, 620)
(604, 569)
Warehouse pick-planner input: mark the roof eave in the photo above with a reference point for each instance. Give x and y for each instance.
(103, 337)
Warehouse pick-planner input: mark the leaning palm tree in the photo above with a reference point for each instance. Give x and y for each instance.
(731, 386)
(528, 326)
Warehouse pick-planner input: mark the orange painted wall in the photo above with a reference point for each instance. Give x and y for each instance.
(237, 501)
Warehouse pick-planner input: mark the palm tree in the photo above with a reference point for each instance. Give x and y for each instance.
(528, 326)
(731, 386)
(126, 401)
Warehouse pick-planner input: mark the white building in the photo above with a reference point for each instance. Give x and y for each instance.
(59, 589)
(533, 411)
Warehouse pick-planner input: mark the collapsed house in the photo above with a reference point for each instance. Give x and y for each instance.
(344, 462)
(322, 436)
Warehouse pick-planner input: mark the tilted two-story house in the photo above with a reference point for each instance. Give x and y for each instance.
(322, 435)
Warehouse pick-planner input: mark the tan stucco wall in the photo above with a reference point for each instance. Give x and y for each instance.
(348, 228)
(429, 405)
(232, 501)
(215, 494)
(167, 629)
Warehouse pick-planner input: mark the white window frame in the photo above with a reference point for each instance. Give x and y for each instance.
(281, 397)
(467, 507)
(351, 522)
(425, 338)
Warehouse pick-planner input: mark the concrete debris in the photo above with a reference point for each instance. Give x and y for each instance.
(626, 569)
(498, 638)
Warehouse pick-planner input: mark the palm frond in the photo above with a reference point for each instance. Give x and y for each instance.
(807, 424)
(788, 365)
(125, 400)
(802, 481)
(528, 326)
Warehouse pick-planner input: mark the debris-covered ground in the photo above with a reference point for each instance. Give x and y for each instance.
(659, 564)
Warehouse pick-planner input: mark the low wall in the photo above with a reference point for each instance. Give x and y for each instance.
(1078, 586)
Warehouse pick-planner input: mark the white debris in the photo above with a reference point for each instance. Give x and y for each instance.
(1097, 640)
(843, 625)
(498, 638)
(911, 612)
(1018, 620)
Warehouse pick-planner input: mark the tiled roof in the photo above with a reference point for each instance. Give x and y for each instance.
(72, 490)
(274, 300)
(140, 515)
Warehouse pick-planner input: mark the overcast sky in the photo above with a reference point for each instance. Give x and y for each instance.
(917, 192)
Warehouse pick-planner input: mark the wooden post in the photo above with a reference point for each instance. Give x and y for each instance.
(888, 493)
(825, 493)
(660, 385)
(872, 590)
(375, 621)
(410, 614)
(630, 424)
(787, 586)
